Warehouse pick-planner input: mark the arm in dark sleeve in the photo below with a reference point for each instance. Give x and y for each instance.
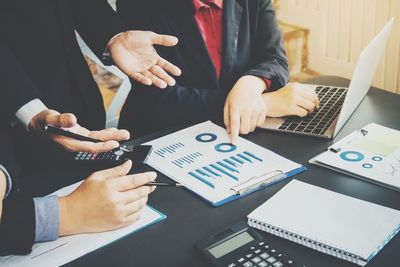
(17, 228)
(17, 89)
(153, 109)
(269, 57)
(97, 23)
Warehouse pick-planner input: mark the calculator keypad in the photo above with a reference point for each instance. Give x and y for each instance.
(114, 155)
(263, 255)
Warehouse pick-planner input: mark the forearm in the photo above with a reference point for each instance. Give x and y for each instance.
(180, 104)
(3, 186)
(268, 55)
(17, 88)
(97, 23)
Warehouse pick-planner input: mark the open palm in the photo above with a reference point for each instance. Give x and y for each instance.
(134, 53)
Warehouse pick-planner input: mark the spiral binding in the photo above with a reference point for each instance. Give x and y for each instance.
(316, 245)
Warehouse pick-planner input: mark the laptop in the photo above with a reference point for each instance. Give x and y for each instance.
(337, 104)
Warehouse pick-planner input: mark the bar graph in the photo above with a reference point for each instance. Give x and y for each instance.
(171, 149)
(187, 159)
(229, 168)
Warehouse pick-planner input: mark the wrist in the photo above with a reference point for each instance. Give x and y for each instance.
(254, 83)
(67, 224)
(3, 185)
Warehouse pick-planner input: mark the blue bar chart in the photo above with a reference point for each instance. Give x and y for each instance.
(171, 149)
(229, 168)
(203, 159)
(187, 159)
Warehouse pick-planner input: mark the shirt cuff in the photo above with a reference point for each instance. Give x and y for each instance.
(29, 110)
(9, 181)
(47, 220)
(106, 57)
(267, 82)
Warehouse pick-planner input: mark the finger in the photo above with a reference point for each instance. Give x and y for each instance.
(245, 121)
(306, 104)
(226, 117)
(130, 182)
(115, 172)
(140, 78)
(169, 67)
(128, 220)
(84, 146)
(254, 121)
(164, 40)
(235, 125)
(310, 94)
(300, 112)
(261, 118)
(160, 73)
(154, 79)
(134, 207)
(136, 194)
(66, 120)
(110, 134)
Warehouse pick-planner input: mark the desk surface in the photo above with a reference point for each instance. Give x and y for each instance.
(170, 242)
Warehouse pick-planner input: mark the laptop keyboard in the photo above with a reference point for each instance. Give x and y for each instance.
(331, 101)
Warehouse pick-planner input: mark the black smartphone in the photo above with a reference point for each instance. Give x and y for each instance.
(138, 154)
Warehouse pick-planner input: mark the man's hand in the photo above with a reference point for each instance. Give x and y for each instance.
(244, 107)
(106, 200)
(3, 188)
(134, 53)
(69, 122)
(292, 100)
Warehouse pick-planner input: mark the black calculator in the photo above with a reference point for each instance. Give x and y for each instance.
(138, 155)
(241, 245)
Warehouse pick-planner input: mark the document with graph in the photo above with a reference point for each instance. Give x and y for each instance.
(202, 158)
(371, 153)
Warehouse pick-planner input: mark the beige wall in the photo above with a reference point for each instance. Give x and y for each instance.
(340, 29)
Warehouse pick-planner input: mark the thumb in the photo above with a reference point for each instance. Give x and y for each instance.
(115, 172)
(65, 120)
(165, 40)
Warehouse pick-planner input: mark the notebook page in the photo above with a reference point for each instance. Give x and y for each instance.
(353, 225)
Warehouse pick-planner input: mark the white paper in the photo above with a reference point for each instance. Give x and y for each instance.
(194, 151)
(331, 218)
(66, 249)
(375, 156)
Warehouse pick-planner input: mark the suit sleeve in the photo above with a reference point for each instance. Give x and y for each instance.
(269, 57)
(17, 227)
(97, 23)
(174, 105)
(17, 88)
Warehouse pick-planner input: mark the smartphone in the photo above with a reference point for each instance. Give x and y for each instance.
(137, 154)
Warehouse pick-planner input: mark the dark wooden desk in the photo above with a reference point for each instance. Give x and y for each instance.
(170, 242)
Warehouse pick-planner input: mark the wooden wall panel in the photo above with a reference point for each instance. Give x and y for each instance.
(340, 29)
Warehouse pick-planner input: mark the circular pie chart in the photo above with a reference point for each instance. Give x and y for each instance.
(352, 156)
(206, 137)
(225, 147)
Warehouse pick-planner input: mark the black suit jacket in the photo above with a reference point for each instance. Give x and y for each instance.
(41, 38)
(252, 45)
(17, 226)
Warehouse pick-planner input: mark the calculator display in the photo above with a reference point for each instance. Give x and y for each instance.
(231, 244)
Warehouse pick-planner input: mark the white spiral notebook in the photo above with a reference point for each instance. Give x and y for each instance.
(335, 224)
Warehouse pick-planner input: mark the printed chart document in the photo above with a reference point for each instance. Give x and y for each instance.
(202, 158)
(372, 153)
(335, 224)
(66, 249)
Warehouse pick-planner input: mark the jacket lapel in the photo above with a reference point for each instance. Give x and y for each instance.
(231, 25)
